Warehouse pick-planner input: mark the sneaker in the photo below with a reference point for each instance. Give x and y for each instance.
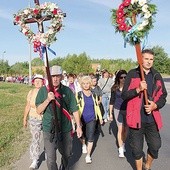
(84, 149)
(121, 152)
(34, 165)
(88, 159)
(105, 120)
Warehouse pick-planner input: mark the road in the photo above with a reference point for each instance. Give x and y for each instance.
(105, 155)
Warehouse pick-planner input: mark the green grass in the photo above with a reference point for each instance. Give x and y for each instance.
(14, 139)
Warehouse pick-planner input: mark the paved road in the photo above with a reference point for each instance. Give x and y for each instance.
(105, 154)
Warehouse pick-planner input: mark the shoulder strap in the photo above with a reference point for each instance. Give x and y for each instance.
(105, 84)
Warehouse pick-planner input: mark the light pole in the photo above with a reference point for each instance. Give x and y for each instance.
(30, 56)
(3, 55)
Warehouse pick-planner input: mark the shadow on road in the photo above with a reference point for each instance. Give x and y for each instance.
(128, 154)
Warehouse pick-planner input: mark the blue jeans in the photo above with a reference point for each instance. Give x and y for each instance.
(105, 102)
(64, 146)
(152, 137)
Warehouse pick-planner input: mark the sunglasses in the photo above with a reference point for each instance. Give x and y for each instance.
(122, 77)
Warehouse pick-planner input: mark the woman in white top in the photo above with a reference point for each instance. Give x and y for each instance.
(34, 119)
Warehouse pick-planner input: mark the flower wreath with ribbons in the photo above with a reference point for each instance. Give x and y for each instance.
(40, 39)
(124, 19)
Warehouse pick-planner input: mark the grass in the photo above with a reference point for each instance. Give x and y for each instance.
(14, 139)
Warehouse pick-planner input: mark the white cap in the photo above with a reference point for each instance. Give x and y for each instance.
(38, 76)
(55, 70)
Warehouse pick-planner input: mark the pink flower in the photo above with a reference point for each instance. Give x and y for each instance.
(17, 18)
(36, 11)
(55, 11)
(119, 13)
(122, 27)
(127, 2)
(121, 7)
(120, 20)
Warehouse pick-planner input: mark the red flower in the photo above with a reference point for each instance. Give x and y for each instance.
(126, 2)
(55, 11)
(122, 27)
(17, 18)
(119, 13)
(121, 7)
(120, 20)
(128, 28)
(36, 11)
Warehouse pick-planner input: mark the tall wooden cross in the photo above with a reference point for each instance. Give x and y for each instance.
(39, 20)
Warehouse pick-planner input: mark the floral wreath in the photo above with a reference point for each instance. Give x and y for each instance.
(124, 21)
(46, 9)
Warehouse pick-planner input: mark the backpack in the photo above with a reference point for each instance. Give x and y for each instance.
(80, 96)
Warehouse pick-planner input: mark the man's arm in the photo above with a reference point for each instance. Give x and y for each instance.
(78, 124)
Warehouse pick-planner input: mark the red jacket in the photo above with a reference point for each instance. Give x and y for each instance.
(134, 100)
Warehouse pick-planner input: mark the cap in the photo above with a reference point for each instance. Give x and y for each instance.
(38, 76)
(55, 70)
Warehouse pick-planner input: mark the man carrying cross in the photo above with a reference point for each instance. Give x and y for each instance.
(66, 105)
(144, 120)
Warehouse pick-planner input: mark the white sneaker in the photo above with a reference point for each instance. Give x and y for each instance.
(105, 120)
(34, 165)
(88, 159)
(121, 152)
(84, 149)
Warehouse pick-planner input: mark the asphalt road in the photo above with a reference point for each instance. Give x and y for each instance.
(105, 155)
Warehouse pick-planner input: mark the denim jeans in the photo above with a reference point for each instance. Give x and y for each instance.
(152, 137)
(64, 146)
(105, 102)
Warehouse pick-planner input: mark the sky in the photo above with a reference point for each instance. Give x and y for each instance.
(87, 28)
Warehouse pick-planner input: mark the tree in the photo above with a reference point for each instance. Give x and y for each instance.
(161, 60)
(77, 63)
(37, 62)
(57, 61)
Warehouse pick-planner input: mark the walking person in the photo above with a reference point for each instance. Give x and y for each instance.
(144, 120)
(89, 112)
(66, 105)
(34, 120)
(105, 83)
(118, 109)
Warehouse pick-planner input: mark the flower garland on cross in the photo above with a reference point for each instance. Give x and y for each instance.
(40, 39)
(124, 20)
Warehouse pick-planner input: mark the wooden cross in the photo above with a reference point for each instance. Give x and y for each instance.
(39, 20)
(139, 58)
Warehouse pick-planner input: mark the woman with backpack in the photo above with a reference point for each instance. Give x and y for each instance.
(89, 111)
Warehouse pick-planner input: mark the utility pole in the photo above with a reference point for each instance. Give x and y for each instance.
(30, 55)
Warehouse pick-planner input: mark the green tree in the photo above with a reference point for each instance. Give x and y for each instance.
(4, 67)
(57, 61)
(37, 62)
(161, 60)
(77, 63)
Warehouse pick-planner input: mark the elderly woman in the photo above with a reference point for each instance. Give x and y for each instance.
(89, 112)
(34, 119)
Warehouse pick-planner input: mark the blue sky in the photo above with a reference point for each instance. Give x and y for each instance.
(87, 29)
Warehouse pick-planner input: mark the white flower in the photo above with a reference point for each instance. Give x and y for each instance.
(134, 1)
(145, 8)
(142, 2)
(26, 11)
(52, 6)
(24, 30)
(50, 31)
(145, 22)
(43, 40)
(147, 15)
(140, 27)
